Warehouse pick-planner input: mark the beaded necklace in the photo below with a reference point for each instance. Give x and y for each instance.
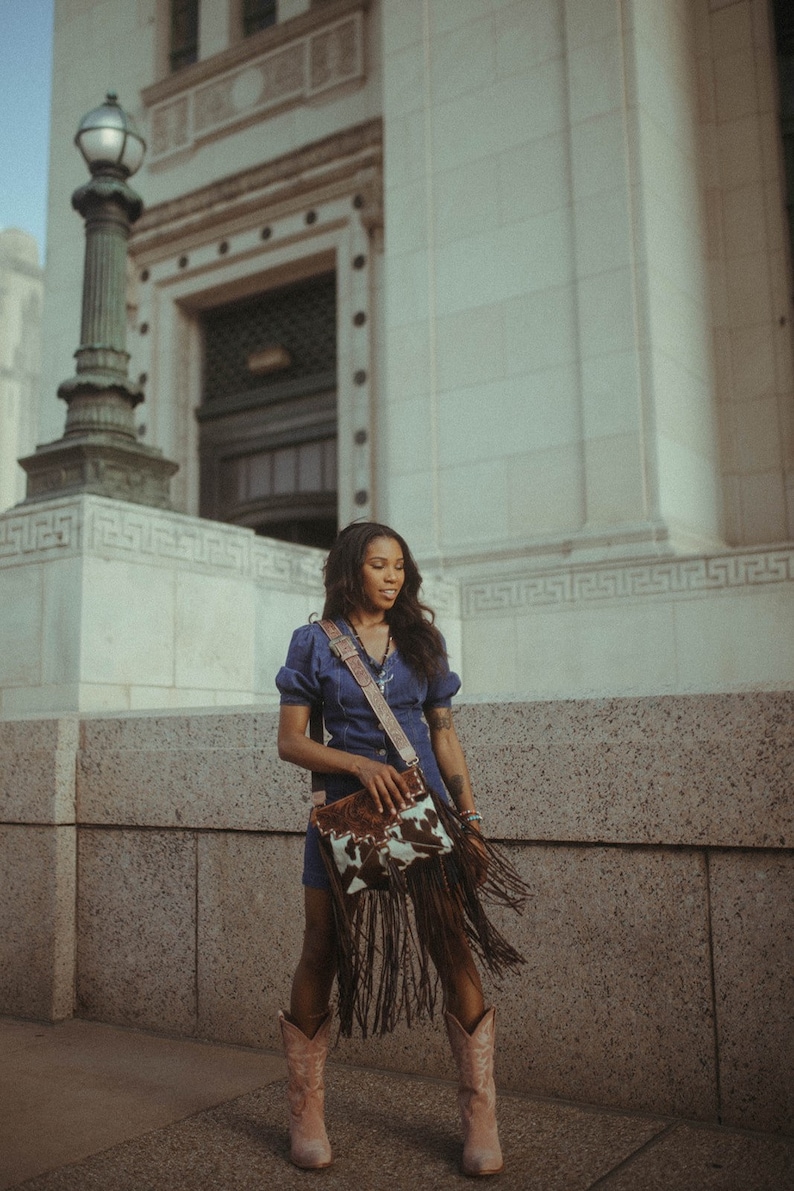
(379, 669)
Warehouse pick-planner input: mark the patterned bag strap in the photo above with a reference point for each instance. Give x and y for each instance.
(344, 648)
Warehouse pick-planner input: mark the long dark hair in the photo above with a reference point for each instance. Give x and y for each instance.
(411, 622)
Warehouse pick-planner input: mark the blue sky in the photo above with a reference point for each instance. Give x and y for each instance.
(25, 74)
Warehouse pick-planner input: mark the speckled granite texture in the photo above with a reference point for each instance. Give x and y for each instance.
(136, 928)
(752, 922)
(615, 996)
(216, 771)
(653, 834)
(247, 933)
(677, 769)
(37, 920)
(37, 770)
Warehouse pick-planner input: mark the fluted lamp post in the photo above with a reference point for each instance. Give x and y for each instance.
(99, 452)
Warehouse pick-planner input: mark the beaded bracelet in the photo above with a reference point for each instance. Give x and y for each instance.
(471, 816)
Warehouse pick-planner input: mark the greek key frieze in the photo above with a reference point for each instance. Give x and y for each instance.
(277, 565)
(117, 530)
(38, 531)
(441, 595)
(169, 537)
(673, 577)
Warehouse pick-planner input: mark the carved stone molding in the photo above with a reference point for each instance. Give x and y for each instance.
(100, 464)
(298, 62)
(443, 595)
(684, 577)
(347, 161)
(289, 567)
(43, 531)
(112, 529)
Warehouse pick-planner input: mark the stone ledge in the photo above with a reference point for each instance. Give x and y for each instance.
(37, 770)
(93, 525)
(647, 830)
(711, 770)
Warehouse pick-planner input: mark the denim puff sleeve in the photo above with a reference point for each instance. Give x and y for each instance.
(298, 680)
(442, 686)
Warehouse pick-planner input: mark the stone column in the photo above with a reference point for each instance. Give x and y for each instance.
(645, 321)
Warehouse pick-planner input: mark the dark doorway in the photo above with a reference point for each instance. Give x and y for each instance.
(267, 421)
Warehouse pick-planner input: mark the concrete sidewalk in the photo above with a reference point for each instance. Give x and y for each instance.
(90, 1107)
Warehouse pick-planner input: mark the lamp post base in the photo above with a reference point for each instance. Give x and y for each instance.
(101, 464)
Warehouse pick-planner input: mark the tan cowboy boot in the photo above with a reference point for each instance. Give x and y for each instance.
(477, 1094)
(309, 1146)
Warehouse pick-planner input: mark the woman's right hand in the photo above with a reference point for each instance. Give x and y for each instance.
(384, 783)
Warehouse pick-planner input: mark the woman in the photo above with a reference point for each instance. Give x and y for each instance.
(372, 588)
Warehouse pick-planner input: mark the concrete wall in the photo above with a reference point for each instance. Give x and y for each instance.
(109, 606)
(655, 835)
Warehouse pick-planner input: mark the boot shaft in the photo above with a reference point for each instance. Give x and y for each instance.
(309, 1146)
(474, 1055)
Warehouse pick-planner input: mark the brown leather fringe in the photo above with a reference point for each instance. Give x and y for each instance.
(392, 942)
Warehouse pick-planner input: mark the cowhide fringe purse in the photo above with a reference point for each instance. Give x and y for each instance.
(403, 885)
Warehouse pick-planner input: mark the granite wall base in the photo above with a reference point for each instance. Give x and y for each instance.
(655, 836)
(37, 924)
(38, 839)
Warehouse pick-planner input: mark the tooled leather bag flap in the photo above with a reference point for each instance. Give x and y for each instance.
(359, 817)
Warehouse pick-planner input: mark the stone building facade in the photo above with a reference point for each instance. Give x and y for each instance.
(515, 276)
(21, 294)
(549, 239)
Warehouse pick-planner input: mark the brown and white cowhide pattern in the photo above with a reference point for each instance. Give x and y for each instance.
(362, 840)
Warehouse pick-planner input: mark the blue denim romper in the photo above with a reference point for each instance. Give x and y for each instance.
(313, 674)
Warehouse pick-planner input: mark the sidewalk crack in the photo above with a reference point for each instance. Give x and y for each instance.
(604, 1179)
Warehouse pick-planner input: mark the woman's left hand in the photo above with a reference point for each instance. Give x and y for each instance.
(384, 783)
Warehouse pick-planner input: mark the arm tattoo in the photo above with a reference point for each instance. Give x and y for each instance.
(455, 785)
(439, 718)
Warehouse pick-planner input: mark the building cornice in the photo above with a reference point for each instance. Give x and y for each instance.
(334, 165)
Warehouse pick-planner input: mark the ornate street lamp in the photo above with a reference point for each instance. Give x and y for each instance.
(99, 451)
